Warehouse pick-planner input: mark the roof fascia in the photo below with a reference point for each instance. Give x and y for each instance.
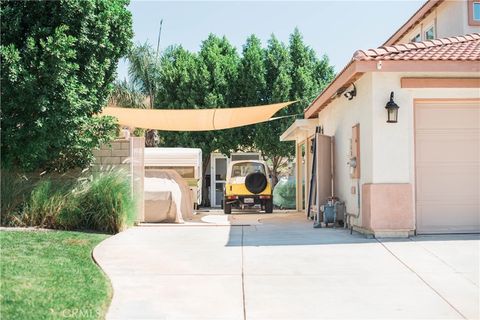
(413, 21)
(356, 69)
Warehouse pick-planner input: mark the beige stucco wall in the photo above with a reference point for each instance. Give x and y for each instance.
(386, 149)
(337, 119)
(393, 158)
(450, 19)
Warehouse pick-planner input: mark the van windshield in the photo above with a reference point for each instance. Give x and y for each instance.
(242, 169)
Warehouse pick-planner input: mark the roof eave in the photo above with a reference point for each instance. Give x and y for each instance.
(355, 69)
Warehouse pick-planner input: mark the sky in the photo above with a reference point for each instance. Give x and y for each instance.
(334, 28)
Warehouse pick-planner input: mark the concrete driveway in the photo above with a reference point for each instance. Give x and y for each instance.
(282, 268)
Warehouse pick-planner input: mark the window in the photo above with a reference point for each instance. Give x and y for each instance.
(242, 169)
(417, 38)
(473, 12)
(430, 33)
(476, 11)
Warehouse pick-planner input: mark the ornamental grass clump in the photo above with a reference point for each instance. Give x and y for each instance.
(100, 202)
(105, 202)
(44, 207)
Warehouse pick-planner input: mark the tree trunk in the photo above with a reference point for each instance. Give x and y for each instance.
(151, 135)
(151, 138)
(275, 166)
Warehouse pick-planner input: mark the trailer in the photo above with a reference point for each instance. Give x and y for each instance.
(187, 162)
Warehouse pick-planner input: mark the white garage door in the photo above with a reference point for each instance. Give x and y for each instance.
(447, 155)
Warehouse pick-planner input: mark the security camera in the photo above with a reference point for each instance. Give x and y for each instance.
(352, 93)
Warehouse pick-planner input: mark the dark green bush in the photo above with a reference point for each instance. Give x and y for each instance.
(15, 190)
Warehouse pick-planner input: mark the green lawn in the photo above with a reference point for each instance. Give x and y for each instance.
(51, 275)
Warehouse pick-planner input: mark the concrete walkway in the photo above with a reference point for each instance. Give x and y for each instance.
(282, 268)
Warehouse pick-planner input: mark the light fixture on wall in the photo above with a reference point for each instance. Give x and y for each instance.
(392, 110)
(352, 93)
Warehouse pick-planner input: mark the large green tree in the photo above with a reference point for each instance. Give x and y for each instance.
(278, 87)
(59, 60)
(144, 72)
(288, 73)
(204, 80)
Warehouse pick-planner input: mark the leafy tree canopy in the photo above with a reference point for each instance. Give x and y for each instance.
(59, 60)
(217, 76)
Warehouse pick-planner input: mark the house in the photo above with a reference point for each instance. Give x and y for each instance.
(415, 169)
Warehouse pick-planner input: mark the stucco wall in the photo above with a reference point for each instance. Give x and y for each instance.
(337, 119)
(450, 19)
(393, 158)
(386, 149)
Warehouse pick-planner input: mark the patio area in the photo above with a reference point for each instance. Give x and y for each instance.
(278, 267)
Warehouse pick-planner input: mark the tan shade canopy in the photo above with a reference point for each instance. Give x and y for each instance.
(193, 119)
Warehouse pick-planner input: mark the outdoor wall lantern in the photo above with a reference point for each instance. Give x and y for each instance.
(392, 110)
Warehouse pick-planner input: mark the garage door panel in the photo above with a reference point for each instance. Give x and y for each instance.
(447, 116)
(440, 146)
(447, 166)
(459, 218)
(459, 184)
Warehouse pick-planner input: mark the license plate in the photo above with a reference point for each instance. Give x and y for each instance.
(248, 200)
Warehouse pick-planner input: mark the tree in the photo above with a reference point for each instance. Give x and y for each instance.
(278, 66)
(217, 76)
(126, 95)
(251, 87)
(308, 73)
(279, 74)
(59, 60)
(143, 71)
(203, 80)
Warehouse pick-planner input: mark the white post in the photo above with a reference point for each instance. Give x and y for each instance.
(298, 175)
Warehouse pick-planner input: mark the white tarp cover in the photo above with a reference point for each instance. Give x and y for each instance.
(167, 197)
(194, 119)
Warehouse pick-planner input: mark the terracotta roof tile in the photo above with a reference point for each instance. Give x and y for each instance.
(460, 48)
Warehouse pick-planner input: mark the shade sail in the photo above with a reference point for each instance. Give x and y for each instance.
(194, 119)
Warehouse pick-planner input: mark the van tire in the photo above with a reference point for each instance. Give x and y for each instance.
(269, 206)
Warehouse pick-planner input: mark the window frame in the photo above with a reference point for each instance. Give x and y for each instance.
(428, 28)
(471, 20)
(416, 36)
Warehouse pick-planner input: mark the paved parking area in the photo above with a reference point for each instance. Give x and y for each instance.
(279, 267)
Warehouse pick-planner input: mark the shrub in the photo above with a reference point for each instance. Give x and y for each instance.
(14, 193)
(105, 202)
(100, 202)
(43, 207)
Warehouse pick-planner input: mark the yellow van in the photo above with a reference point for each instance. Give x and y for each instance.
(248, 184)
